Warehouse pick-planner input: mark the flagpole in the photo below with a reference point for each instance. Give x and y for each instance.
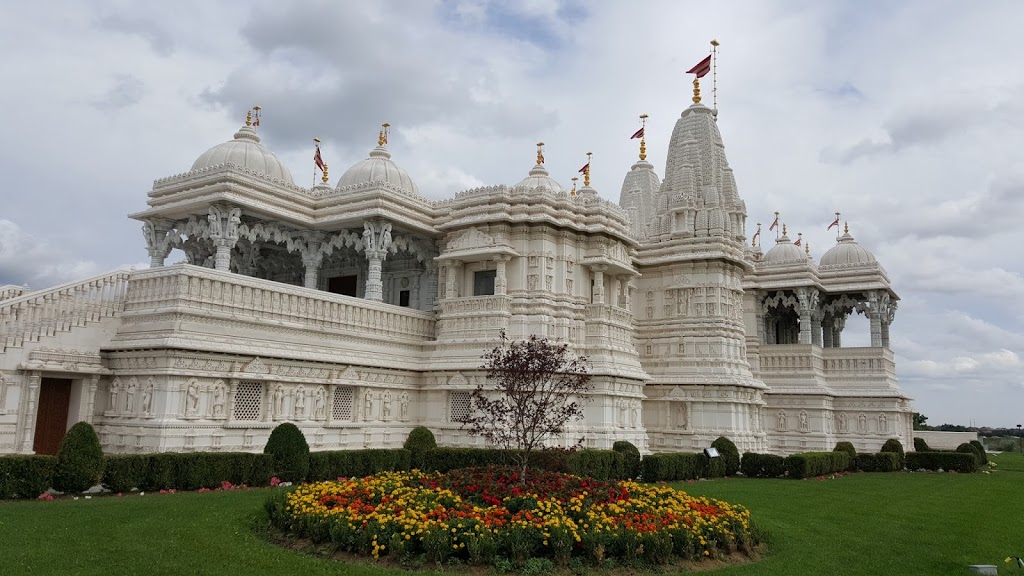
(714, 73)
(837, 226)
(317, 145)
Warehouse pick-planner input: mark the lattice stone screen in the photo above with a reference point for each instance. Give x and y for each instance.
(248, 401)
(342, 408)
(460, 405)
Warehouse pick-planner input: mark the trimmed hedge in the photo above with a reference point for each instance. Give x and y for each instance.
(445, 459)
(880, 462)
(755, 465)
(968, 448)
(186, 471)
(332, 464)
(668, 467)
(730, 454)
(921, 446)
(79, 460)
(124, 472)
(25, 476)
(419, 441)
(816, 463)
(597, 464)
(631, 457)
(290, 450)
(957, 461)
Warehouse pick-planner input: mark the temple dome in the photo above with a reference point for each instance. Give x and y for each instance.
(847, 253)
(539, 177)
(378, 168)
(245, 151)
(784, 251)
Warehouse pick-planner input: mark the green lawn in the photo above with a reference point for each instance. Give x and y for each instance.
(860, 524)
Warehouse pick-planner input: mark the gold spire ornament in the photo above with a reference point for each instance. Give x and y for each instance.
(846, 227)
(382, 139)
(540, 153)
(248, 118)
(696, 91)
(324, 178)
(586, 173)
(783, 229)
(643, 137)
(573, 192)
(807, 248)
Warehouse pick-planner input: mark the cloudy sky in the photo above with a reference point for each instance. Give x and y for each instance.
(908, 117)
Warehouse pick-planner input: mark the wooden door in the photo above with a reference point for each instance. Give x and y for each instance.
(52, 414)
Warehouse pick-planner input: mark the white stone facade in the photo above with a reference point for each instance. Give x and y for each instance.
(362, 310)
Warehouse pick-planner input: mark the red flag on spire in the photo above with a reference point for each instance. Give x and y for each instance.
(702, 68)
(585, 169)
(774, 225)
(317, 159)
(756, 235)
(834, 223)
(797, 243)
(638, 134)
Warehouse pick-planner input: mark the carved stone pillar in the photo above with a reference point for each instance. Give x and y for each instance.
(90, 399)
(223, 230)
(616, 291)
(623, 296)
(816, 328)
(158, 243)
(500, 281)
(312, 257)
(429, 286)
(598, 292)
(450, 285)
(828, 329)
(808, 302)
(376, 241)
(837, 331)
(29, 416)
(875, 317)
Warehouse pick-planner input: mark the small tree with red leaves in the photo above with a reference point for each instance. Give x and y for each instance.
(538, 388)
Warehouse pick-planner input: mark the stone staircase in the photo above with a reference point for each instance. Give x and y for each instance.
(46, 313)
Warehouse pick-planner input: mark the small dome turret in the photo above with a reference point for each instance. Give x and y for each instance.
(378, 168)
(847, 252)
(784, 251)
(246, 152)
(539, 177)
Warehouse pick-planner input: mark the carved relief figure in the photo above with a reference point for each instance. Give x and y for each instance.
(129, 403)
(214, 220)
(682, 421)
(805, 425)
(300, 403)
(883, 423)
(387, 405)
(622, 412)
(780, 421)
(844, 425)
(192, 399)
(115, 388)
(279, 402)
(367, 405)
(320, 404)
(635, 421)
(218, 400)
(404, 400)
(147, 400)
(862, 423)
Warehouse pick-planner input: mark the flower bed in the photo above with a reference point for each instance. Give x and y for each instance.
(478, 514)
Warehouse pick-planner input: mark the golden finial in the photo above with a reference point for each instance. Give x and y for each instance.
(382, 139)
(643, 137)
(696, 90)
(573, 192)
(540, 153)
(586, 174)
(248, 118)
(846, 227)
(807, 248)
(324, 177)
(783, 229)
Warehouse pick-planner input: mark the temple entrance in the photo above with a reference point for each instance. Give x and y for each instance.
(52, 414)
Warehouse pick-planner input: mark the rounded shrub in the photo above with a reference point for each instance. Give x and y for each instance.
(981, 450)
(79, 460)
(894, 446)
(419, 441)
(630, 457)
(921, 446)
(290, 452)
(730, 454)
(966, 448)
(847, 447)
